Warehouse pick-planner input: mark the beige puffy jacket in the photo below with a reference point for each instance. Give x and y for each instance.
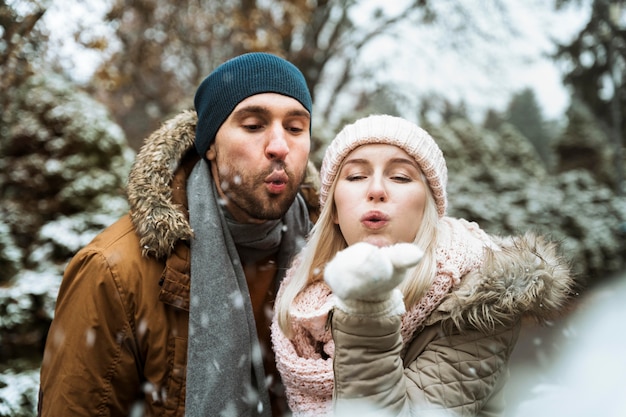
(457, 363)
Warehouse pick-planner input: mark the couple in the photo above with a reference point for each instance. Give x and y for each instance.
(387, 305)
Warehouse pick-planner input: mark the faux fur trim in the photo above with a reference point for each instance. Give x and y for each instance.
(528, 278)
(158, 221)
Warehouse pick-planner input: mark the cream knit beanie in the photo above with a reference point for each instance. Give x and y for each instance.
(393, 131)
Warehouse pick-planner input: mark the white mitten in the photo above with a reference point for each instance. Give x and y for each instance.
(364, 277)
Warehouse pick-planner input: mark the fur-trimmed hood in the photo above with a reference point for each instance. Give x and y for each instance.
(527, 278)
(158, 220)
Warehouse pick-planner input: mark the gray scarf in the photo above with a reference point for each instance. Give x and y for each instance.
(225, 375)
(255, 241)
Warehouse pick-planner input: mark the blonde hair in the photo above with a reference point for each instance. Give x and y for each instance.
(325, 240)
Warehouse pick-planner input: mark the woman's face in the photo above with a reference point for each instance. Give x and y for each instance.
(379, 196)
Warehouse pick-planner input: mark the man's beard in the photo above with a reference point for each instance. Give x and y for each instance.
(249, 194)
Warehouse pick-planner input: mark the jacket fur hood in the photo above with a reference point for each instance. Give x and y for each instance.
(527, 278)
(158, 220)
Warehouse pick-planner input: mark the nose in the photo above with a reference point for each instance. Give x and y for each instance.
(376, 191)
(277, 147)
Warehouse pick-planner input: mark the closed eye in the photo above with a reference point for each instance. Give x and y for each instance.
(252, 127)
(401, 178)
(355, 177)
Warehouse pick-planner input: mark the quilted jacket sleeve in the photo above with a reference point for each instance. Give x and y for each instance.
(442, 374)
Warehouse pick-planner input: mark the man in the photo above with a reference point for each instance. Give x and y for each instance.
(166, 312)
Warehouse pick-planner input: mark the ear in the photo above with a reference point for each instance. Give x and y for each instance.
(211, 154)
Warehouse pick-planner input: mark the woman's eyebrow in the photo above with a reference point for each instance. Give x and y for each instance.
(356, 161)
(400, 160)
(403, 160)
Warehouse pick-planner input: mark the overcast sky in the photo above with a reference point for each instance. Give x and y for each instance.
(484, 73)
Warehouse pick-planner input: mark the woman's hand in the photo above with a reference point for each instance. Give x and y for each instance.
(366, 273)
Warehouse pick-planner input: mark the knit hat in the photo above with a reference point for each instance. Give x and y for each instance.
(393, 131)
(237, 79)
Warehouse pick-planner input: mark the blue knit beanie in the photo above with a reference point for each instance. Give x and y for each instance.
(237, 79)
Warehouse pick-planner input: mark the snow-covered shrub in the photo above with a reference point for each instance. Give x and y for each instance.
(62, 156)
(62, 176)
(18, 393)
(498, 180)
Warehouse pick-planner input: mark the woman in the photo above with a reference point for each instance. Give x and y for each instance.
(353, 331)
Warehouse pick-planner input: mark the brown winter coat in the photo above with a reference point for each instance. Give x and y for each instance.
(118, 341)
(458, 361)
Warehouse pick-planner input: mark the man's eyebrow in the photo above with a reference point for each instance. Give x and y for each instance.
(299, 113)
(244, 111)
(264, 111)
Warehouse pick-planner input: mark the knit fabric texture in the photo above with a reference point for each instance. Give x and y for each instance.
(305, 362)
(237, 79)
(390, 130)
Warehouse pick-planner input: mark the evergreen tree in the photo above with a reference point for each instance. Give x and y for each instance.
(524, 113)
(493, 120)
(584, 145)
(597, 58)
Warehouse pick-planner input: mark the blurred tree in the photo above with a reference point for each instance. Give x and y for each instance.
(60, 154)
(524, 113)
(62, 158)
(584, 145)
(163, 48)
(20, 45)
(168, 47)
(497, 179)
(598, 69)
(493, 120)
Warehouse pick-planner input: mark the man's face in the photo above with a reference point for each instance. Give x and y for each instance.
(259, 156)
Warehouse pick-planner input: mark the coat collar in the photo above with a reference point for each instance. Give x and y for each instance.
(159, 219)
(527, 278)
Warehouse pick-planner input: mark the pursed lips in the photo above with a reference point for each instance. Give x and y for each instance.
(374, 220)
(276, 182)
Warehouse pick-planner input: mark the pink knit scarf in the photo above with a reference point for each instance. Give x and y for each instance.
(305, 362)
